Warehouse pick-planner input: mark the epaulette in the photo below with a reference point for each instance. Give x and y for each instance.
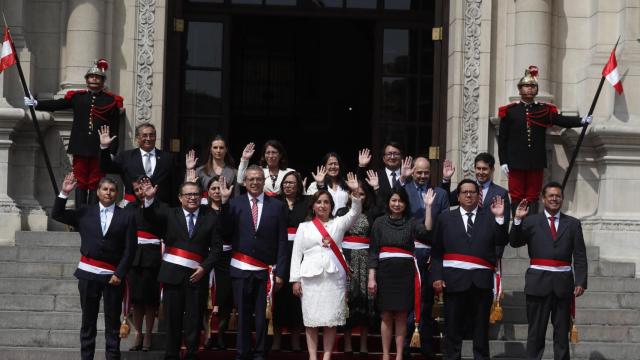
(118, 99)
(70, 93)
(502, 110)
(552, 108)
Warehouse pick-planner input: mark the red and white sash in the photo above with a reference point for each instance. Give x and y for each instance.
(182, 257)
(355, 242)
(128, 198)
(204, 198)
(466, 262)
(387, 252)
(338, 257)
(246, 262)
(291, 233)
(550, 265)
(497, 281)
(420, 245)
(226, 246)
(96, 266)
(145, 237)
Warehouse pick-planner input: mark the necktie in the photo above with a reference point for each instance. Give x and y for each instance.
(103, 220)
(480, 198)
(469, 223)
(421, 194)
(394, 180)
(254, 212)
(552, 224)
(191, 224)
(147, 164)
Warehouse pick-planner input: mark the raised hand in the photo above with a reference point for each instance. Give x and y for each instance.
(248, 151)
(364, 157)
(191, 175)
(225, 192)
(148, 188)
(352, 182)
(320, 174)
(429, 198)
(105, 138)
(497, 206)
(372, 179)
(406, 169)
(69, 183)
(190, 159)
(448, 169)
(522, 210)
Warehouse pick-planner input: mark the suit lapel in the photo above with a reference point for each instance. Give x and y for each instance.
(182, 221)
(95, 212)
(486, 201)
(544, 225)
(201, 214)
(562, 225)
(155, 169)
(137, 162)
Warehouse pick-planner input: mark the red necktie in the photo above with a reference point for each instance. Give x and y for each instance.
(254, 212)
(552, 224)
(480, 198)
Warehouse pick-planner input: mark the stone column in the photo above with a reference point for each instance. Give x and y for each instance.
(533, 25)
(9, 212)
(85, 40)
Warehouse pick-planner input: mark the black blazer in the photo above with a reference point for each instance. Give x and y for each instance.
(205, 240)
(269, 243)
(147, 255)
(535, 232)
(385, 188)
(451, 237)
(129, 165)
(117, 246)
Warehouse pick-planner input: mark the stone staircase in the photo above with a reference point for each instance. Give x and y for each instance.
(40, 312)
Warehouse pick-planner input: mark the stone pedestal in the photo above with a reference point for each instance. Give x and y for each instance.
(9, 213)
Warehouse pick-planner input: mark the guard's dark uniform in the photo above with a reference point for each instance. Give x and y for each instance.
(90, 112)
(522, 145)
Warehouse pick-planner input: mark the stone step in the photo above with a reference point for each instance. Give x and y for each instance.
(596, 268)
(586, 316)
(602, 333)
(28, 269)
(593, 253)
(57, 320)
(582, 350)
(55, 254)
(48, 239)
(39, 286)
(22, 302)
(604, 300)
(55, 338)
(595, 284)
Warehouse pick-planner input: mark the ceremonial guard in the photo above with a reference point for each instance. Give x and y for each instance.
(92, 108)
(107, 246)
(553, 239)
(522, 139)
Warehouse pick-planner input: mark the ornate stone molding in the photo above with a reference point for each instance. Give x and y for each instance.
(471, 90)
(146, 20)
(616, 225)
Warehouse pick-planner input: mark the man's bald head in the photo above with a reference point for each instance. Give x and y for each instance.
(422, 170)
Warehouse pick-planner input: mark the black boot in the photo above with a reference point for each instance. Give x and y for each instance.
(93, 197)
(81, 198)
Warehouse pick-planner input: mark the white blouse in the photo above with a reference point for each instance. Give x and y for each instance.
(340, 196)
(269, 186)
(309, 257)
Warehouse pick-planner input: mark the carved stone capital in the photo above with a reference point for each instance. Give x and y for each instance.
(146, 22)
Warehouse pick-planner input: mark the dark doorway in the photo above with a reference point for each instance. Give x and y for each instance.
(305, 82)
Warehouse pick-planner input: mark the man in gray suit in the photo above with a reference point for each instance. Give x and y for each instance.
(553, 239)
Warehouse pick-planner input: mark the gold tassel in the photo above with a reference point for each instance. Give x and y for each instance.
(161, 312)
(124, 329)
(573, 334)
(492, 313)
(268, 314)
(415, 338)
(270, 327)
(233, 321)
(498, 311)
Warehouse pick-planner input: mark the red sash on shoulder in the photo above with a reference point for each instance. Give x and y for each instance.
(333, 246)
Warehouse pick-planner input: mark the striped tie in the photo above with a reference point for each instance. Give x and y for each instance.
(254, 212)
(469, 223)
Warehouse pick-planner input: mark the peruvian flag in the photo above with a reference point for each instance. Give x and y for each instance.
(610, 72)
(7, 56)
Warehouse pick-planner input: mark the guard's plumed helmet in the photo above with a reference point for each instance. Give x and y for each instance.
(530, 76)
(99, 68)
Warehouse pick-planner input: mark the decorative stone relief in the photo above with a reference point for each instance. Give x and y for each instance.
(146, 19)
(471, 90)
(610, 225)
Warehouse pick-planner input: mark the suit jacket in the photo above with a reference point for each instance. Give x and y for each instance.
(117, 246)
(416, 203)
(451, 238)
(535, 232)
(129, 165)
(385, 187)
(147, 255)
(523, 133)
(268, 243)
(205, 240)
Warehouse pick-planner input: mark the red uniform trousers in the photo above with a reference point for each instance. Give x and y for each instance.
(86, 169)
(525, 184)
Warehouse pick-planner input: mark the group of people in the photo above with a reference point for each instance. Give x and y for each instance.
(346, 251)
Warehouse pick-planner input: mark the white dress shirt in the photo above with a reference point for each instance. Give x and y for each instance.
(195, 217)
(465, 216)
(556, 219)
(108, 216)
(260, 205)
(390, 176)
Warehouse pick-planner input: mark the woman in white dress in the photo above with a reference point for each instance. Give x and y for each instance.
(274, 164)
(328, 177)
(317, 275)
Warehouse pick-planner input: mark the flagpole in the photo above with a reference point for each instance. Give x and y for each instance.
(27, 93)
(584, 128)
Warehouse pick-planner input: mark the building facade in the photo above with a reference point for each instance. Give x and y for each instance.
(339, 75)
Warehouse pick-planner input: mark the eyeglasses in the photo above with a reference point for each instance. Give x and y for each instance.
(271, 153)
(190, 195)
(288, 183)
(392, 154)
(254, 179)
(147, 136)
(468, 192)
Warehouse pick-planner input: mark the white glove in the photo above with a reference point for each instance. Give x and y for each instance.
(586, 120)
(30, 101)
(505, 169)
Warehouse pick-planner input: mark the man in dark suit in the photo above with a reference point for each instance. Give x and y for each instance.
(553, 240)
(146, 160)
(108, 244)
(389, 174)
(258, 225)
(462, 262)
(416, 189)
(192, 245)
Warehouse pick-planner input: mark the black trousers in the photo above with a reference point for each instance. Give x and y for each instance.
(251, 298)
(460, 308)
(91, 292)
(184, 306)
(539, 309)
(427, 324)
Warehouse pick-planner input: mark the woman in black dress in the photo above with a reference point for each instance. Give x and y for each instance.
(143, 275)
(392, 268)
(287, 311)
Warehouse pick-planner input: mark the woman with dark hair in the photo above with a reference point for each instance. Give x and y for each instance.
(219, 163)
(392, 270)
(327, 177)
(273, 161)
(318, 269)
(287, 310)
(355, 246)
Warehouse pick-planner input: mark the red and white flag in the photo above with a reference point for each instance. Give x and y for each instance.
(610, 72)
(7, 56)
